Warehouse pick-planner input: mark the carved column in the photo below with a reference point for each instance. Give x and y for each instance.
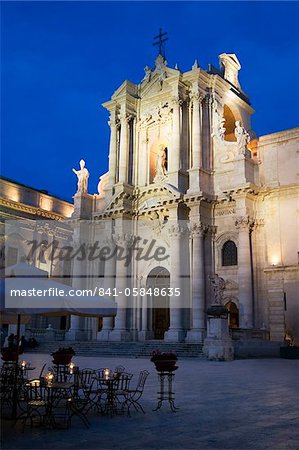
(124, 148)
(197, 333)
(144, 333)
(175, 150)
(175, 332)
(109, 283)
(197, 129)
(120, 331)
(196, 140)
(206, 132)
(244, 272)
(112, 152)
(77, 329)
(141, 173)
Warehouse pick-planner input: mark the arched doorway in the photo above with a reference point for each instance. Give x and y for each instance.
(233, 314)
(159, 278)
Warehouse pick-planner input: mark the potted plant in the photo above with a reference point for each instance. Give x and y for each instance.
(164, 361)
(10, 353)
(63, 355)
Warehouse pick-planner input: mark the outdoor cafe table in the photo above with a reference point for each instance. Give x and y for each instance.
(109, 385)
(57, 391)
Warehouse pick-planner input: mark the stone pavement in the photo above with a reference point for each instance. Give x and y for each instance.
(243, 404)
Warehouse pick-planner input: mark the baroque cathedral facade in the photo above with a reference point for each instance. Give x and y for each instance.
(187, 171)
(190, 179)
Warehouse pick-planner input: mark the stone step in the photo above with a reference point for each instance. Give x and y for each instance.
(126, 349)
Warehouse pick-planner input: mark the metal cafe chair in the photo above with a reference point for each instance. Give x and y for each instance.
(61, 373)
(6, 384)
(12, 382)
(133, 396)
(100, 389)
(85, 384)
(122, 388)
(36, 404)
(83, 397)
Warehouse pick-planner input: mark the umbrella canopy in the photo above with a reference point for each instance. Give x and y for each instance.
(26, 296)
(26, 290)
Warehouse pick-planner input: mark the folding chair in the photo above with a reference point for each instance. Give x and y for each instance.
(133, 395)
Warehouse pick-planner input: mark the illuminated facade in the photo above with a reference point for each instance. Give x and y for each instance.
(29, 208)
(184, 161)
(182, 148)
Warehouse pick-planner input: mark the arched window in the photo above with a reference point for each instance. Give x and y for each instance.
(229, 254)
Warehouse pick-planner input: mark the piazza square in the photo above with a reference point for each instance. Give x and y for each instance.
(149, 226)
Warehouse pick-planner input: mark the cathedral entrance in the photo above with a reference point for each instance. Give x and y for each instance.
(159, 278)
(233, 315)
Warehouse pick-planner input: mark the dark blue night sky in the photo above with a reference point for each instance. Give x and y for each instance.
(61, 60)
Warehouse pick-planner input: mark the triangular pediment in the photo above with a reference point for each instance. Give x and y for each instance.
(158, 86)
(127, 87)
(157, 196)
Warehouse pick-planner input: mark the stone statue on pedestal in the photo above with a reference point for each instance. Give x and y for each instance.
(218, 285)
(82, 175)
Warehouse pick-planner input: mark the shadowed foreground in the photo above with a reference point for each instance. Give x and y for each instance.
(243, 404)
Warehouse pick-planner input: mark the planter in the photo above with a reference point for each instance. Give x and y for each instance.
(291, 352)
(165, 365)
(62, 359)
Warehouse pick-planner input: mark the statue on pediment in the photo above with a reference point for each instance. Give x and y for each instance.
(161, 64)
(147, 74)
(82, 176)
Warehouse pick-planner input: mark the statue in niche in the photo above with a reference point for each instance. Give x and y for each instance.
(242, 137)
(161, 162)
(221, 129)
(82, 175)
(218, 285)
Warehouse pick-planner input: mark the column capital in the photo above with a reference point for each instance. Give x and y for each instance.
(197, 230)
(122, 240)
(113, 122)
(258, 223)
(126, 117)
(212, 230)
(196, 97)
(176, 101)
(244, 223)
(177, 230)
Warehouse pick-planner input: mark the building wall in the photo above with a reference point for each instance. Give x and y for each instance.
(245, 194)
